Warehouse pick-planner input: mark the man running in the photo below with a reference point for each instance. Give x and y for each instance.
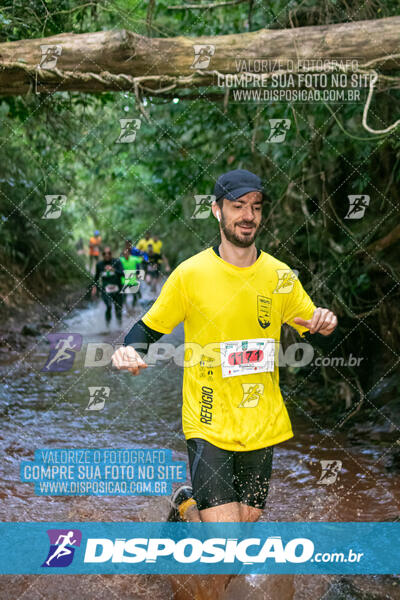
(153, 268)
(131, 265)
(157, 244)
(144, 242)
(233, 306)
(108, 279)
(94, 249)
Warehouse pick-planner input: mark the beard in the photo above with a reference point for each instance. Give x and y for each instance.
(239, 239)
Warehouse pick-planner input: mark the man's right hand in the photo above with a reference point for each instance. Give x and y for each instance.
(126, 358)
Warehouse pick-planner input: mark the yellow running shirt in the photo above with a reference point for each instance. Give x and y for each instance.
(143, 244)
(231, 394)
(157, 246)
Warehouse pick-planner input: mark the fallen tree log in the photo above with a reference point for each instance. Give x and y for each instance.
(121, 60)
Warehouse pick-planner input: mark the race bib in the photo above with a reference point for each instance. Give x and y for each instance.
(111, 288)
(242, 357)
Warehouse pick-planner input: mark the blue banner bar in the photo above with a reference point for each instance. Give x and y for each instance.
(195, 548)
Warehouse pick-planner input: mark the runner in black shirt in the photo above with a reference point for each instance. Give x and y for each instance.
(109, 281)
(153, 269)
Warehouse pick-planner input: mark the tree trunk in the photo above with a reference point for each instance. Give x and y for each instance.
(120, 60)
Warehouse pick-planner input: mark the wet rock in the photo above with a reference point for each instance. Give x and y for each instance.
(343, 589)
(11, 341)
(394, 459)
(382, 388)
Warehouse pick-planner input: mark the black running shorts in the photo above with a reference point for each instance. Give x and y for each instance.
(221, 476)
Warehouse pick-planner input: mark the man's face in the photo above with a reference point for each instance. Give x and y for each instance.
(241, 219)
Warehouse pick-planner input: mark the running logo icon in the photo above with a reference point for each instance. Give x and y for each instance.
(129, 128)
(252, 393)
(132, 283)
(63, 347)
(50, 54)
(63, 543)
(202, 209)
(98, 396)
(202, 55)
(286, 280)
(329, 471)
(357, 206)
(279, 129)
(54, 206)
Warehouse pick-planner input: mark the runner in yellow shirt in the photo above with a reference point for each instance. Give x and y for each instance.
(233, 299)
(157, 244)
(144, 242)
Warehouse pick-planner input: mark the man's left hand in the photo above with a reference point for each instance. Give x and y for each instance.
(323, 321)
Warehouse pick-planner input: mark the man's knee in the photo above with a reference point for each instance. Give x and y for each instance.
(228, 512)
(231, 512)
(249, 514)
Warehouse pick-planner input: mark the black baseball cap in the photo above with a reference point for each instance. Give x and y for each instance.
(237, 183)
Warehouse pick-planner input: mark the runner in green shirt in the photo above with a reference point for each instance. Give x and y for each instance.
(131, 265)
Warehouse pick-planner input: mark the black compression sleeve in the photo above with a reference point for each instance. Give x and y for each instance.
(324, 342)
(140, 336)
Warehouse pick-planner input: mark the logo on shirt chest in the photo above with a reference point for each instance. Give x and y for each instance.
(264, 311)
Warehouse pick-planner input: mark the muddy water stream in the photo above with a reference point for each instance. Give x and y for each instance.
(48, 410)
